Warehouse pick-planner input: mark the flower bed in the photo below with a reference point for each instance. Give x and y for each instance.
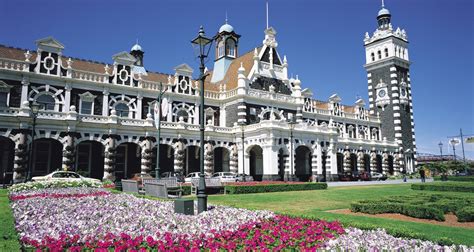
(259, 187)
(35, 185)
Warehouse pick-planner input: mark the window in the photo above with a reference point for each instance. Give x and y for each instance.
(3, 99)
(230, 47)
(182, 113)
(86, 108)
(386, 52)
(46, 102)
(220, 49)
(373, 56)
(379, 54)
(122, 109)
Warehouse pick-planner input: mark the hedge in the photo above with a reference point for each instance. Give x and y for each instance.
(466, 214)
(243, 189)
(457, 178)
(416, 211)
(445, 186)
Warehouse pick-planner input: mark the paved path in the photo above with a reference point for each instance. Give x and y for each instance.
(386, 182)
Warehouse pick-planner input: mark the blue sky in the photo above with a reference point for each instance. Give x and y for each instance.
(323, 40)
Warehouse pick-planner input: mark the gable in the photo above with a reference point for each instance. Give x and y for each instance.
(124, 58)
(266, 56)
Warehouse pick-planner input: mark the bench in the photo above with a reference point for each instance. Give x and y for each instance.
(172, 185)
(156, 189)
(210, 183)
(130, 186)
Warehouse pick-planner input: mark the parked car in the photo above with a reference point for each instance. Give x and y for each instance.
(192, 175)
(225, 176)
(348, 176)
(63, 175)
(177, 175)
(378, 176)
(240, 177)
(364, 176)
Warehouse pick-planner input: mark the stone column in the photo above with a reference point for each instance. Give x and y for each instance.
(179, 150)
(67, 97)
(373, 161)
(105, 102)
(109, 158)
(208, 158)
(69, 152)
(360, 161)
(347, 161)
(21, 158)
(385, 163)
(25, 83)
(318, 155)
(397, 168)
(234, 159)
(147, 156)
(138, 114)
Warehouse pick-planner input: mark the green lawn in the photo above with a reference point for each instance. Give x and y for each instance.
(8, 236)
(314, 204)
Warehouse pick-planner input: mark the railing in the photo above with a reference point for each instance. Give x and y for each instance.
(271, 96)
(93, 118)
(89, 76)
(132, 122)
(51, 115)
(7, 111)
(15, 65)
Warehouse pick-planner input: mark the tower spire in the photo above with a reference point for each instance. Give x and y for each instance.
(383, 3)
(226, 17)
(267, 12)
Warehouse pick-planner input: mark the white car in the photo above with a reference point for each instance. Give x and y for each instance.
(63, 175)
(194, 175)
(225, 176)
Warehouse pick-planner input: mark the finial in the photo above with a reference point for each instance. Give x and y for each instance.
(383, 4)
(137, 41)
(226, 16)
(267, 13)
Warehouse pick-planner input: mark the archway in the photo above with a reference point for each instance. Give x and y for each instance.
(340, 163)
(367, 163)
(47, 156)
(192, 157)
(221, 159)
(390, 165)
(303, 163)
(90, 159)
(256, 162)
(281, 164)
(166, 159)
(354, 163)
(128, 160)
(7, 155)
(378, 160)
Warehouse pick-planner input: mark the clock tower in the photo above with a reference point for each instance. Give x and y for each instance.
(390, 96)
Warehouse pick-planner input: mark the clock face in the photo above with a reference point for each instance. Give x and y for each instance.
(404, 92)
(382, 93)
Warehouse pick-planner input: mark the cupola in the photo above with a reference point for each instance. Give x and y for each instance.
(226, 50)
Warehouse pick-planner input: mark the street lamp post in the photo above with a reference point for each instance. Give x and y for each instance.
(158, 126)
(441, 150)
(204, 45)
(291, 124)
(34, 107)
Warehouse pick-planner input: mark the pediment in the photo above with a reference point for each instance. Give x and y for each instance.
(307, 92)
(360, 103)
(184, 68)
(49, 44)
(335, 98)
(124, 58)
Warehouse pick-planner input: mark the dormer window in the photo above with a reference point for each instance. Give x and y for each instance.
(372, 55)
(386, 52)
(379, 54)
(221, 49)
(49, 63)
(230, 48)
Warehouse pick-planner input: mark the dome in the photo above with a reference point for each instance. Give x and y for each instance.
(226, 28)
(136, 47)
(384, 11)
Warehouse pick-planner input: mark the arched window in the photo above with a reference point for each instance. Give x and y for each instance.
(373, 56)
(379, 54)
(46, 102)
(230, 48)
(182, 113)
(220, 49)
(122, 109)
(386, 52)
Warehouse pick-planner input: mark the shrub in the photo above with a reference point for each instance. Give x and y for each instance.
(457, 178)
(416, 211)
(445, 186)
(466, 214)
(243, 189)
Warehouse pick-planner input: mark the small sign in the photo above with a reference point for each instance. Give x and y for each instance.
(156, 111)
(164, 106)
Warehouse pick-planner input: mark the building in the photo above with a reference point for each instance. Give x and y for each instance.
(98, 118)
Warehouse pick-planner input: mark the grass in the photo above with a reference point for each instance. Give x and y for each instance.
(8, 236)
(314, 204)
